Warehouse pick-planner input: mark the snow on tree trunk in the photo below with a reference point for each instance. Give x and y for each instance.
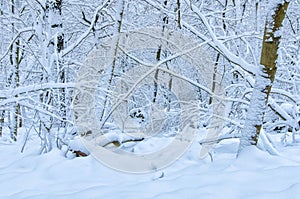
(265, 77)
(2, 112)
(15, 59)
(54, 17)
(55, 73)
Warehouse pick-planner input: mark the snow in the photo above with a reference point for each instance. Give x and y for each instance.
(290, 109)
(59, 174)
(253, 174)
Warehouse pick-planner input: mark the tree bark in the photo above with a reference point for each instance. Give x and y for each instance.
(265, 78)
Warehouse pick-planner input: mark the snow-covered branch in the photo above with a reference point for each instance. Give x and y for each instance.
(88, 31)
(215, 43)
(4, 94)
(27, 29)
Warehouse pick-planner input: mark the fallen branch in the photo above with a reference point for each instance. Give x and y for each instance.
(117, 139)
(205, 141)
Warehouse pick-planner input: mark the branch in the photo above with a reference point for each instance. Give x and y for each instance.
(87, 32)
(204, 141)
(215, 43)
(41, 110)
(5, 94)
(14, 40)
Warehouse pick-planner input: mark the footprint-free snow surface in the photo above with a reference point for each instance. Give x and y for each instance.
(254, 174)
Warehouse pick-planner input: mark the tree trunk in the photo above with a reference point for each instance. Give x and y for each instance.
(265, 78)
(53, 100)
(2, 113)
(165, 20)
(118, 28)
(54, 11)
(15, 59)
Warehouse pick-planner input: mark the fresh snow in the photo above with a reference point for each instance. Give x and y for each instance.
(253, 174)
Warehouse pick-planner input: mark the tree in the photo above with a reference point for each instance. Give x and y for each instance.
(15, 58)
(265, 77)
(40, 78)
(46, 43)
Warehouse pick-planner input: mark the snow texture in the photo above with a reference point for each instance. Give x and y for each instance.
(254, 174)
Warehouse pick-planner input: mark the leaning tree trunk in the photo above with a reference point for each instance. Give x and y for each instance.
(265, 77)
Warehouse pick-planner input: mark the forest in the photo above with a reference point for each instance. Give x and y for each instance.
(139, 86)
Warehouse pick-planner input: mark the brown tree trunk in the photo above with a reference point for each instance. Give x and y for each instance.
(265, 78)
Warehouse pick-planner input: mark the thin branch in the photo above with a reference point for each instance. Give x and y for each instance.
(88, 31)
(14, 40)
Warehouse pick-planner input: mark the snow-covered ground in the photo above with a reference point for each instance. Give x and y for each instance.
(254, 174)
